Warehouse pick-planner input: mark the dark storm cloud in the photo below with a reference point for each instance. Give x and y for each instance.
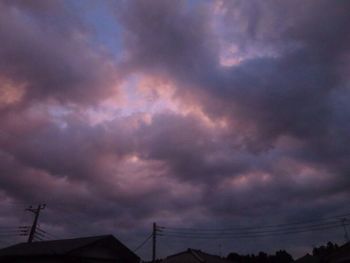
(281, 155)
(193, 151)
(69, 151)
(45, 51)
(289, 94)
(293, 92)
(83, 170)
(167, 36)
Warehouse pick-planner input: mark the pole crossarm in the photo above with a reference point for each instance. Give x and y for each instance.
(36, 212)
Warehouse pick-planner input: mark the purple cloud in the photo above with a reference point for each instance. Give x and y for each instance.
(218, 113)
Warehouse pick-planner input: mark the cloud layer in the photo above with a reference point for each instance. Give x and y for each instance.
(216, 113)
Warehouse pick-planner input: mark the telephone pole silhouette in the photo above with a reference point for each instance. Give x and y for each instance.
(154, 239)
(346, 236)
(36, 212)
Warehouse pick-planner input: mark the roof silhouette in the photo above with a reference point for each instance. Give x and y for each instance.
(65, 247)
(194, 256)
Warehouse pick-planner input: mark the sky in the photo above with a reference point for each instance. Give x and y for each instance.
(192, 114)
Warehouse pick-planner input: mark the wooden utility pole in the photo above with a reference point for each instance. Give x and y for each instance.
(346, 236)
(154, 239)
(36, 212)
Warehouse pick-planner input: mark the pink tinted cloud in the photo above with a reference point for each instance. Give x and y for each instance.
(170, 134)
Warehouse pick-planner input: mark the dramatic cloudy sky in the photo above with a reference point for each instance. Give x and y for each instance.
(212, 114)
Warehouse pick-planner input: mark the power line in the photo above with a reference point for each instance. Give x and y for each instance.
(10, 235)
(39, 234)
(257, 231)
(230, 236)
(14, 231)
(38, 237)
(46, 233)
(8, 227)
(243, 231)
(257, 227)
(143, 243)
(9, 230)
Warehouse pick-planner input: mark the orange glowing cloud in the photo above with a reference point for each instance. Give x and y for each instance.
(144, 96)
(11, 92)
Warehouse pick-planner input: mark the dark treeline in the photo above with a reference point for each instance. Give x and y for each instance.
(325, 251)
(280, 256)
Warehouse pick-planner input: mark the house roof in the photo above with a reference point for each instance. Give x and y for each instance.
(63, 247)
(194, 256)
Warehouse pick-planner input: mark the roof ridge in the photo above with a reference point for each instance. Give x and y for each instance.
(51, 244)
(66, 247)
(174, 255)
(64, 239)
(196, 255)
(93, 241)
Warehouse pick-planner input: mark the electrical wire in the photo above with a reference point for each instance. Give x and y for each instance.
(253, 232)
(8, 227)
(258, 227)
(247, 232)
(47, 233)
(39, 234)
(244, 236)
(38, 238)
(143, 243)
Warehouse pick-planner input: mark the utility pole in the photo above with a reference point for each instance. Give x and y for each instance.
(36, 212)
(154, 239)
(345, 230)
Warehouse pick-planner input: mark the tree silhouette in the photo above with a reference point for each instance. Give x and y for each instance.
(325, 251)
(280, 256)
